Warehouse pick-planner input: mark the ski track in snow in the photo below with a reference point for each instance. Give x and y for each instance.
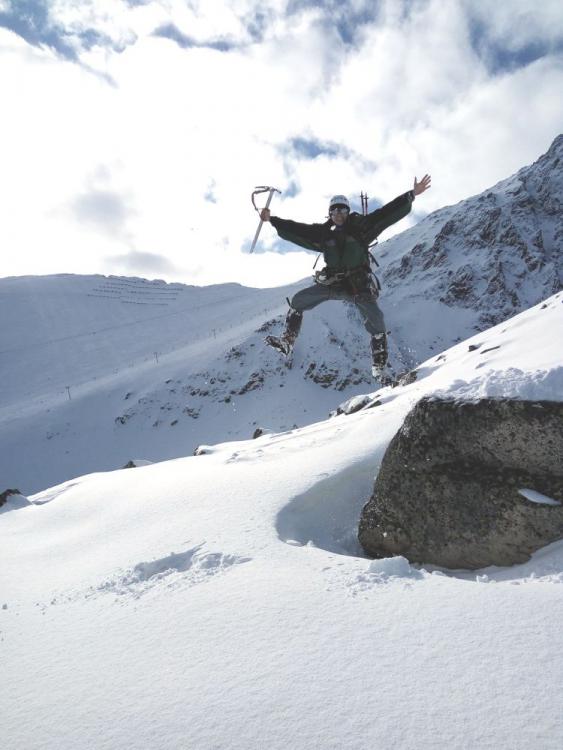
(47, 496)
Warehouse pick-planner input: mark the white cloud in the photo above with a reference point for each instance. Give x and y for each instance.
(98, 177)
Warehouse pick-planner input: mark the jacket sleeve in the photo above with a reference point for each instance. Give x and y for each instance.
(309, 236)
(378, 220)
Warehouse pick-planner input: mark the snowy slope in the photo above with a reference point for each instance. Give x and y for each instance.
(154, 369)
(220, 601)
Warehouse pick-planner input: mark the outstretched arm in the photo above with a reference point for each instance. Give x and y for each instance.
(309, 236)
(424, 184)
(397, 209)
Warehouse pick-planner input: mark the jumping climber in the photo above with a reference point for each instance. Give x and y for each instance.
(344, 241)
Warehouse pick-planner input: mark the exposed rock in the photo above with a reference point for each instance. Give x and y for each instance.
(460, 288)
(375, 402)
(334, 377)
(407, 378)
(234, 352)
(352, 405)
(353, 377)
(255, 381)
(449, 488)
(496, 254)
(268, 326)
(203, 450)
(12, 500)
(323, 375)
(6, 494)
(134, 464)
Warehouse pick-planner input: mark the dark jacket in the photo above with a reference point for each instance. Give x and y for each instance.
(346, 247)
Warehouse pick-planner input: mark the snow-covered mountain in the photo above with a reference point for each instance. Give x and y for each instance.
(466, 267)
(222, 601)
(96, 371)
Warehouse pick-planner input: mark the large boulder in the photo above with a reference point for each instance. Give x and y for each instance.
(469, 484)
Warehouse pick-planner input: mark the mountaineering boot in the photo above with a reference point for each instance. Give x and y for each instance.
(378, 356)
(285, 342)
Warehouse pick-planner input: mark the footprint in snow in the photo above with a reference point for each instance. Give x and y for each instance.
(386, 571)
(177, 569)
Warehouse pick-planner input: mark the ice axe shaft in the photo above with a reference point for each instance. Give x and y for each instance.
(263, 189)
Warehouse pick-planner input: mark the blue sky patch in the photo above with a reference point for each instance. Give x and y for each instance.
(30, 20)
(172, 32)
(500, 59)
(310, 148)
(291, 190)
(347, 21)
(257, 22)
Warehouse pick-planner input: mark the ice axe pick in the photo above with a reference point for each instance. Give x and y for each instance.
(257, 190)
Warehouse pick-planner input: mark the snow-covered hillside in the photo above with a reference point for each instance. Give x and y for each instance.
(221, 600)
(97, 371)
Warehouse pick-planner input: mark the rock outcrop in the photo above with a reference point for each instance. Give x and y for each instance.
(469, 484)
(496, 253)
(12, 500)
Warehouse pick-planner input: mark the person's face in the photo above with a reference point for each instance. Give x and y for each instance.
(339, 214)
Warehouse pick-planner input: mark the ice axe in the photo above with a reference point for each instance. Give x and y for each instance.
(257, 190)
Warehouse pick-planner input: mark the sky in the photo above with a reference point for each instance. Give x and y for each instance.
(134, 131)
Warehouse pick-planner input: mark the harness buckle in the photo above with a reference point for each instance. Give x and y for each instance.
(325, 278)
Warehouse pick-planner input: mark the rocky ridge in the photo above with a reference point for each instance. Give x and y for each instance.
(496, 253)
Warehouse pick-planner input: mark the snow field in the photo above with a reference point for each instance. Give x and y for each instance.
(220, 601)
